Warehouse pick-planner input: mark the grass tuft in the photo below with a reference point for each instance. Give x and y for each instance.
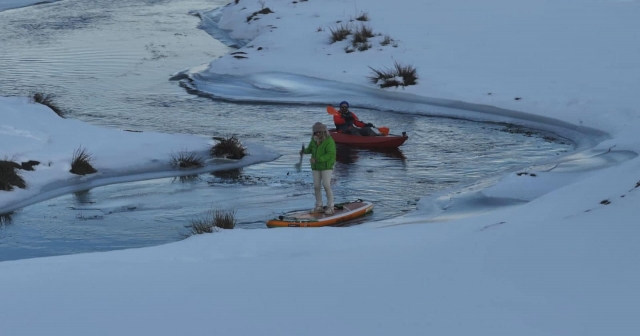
(361, 38)
(380, 75)
(364, 46)
(339, 33)
(363, 16)
(386, 41)
(186, 159)
(409, 73)
(81, 162)
(362, 35)
(212, 221)
(230, 148)
(253, 16)
(400, 75)
(9, 176)
(47, 100)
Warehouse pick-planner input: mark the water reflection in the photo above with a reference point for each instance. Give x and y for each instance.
(346, 155)
(83, 197)
(6, 219)
(186, 179)
(350, 155)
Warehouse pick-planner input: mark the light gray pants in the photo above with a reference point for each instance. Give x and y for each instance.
(322, 178)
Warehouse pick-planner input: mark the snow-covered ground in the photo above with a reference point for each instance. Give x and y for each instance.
(563, 264)
(9, 4)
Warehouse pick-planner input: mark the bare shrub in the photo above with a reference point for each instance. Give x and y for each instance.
(9, 176)
(320, 29)
(363, 16)
(339, 33)
(212, 221)
(47, 100)
(81, 162)
(230, 148)
(186, 159)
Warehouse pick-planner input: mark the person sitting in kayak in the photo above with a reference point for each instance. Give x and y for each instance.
(347, 122)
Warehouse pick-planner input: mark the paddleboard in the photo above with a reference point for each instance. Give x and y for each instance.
(305, 218)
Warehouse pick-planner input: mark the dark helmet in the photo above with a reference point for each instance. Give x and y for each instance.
(344, 103)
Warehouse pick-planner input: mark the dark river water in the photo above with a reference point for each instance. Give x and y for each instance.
(109, 62)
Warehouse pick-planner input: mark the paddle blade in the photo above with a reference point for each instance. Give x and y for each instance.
(331, 110)
(384, 130)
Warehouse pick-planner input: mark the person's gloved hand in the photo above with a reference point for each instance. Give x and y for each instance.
(370, 125)
(347, 117)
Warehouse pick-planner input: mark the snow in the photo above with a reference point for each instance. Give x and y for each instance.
(561, 259)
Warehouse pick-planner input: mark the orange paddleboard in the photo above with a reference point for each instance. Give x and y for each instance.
(305, 218)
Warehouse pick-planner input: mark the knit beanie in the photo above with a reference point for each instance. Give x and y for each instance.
(319, 127)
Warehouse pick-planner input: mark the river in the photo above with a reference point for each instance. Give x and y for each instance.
(109, 62)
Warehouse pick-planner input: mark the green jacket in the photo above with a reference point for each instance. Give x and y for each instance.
(324, 154)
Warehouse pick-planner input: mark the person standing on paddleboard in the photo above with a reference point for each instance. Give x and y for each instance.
(323, 156)
(347, 121)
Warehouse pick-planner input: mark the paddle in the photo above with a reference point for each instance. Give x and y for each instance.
(331, 110)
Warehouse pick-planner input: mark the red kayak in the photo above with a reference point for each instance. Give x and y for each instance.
(382, 141)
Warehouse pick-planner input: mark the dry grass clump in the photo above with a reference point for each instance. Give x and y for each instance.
(363, 16)
(255, 14)
(9, 176)
(387, 40)
(340, 33)
(81, 162)
(229, 147)
(186, 159)
(47, 100)
(212, 221)
(399, 75)
(362, 35)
